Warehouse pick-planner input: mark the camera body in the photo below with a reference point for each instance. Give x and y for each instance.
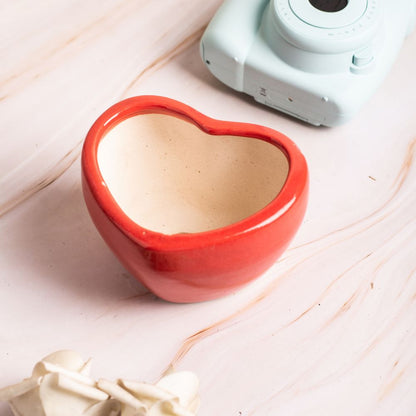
(317, 60)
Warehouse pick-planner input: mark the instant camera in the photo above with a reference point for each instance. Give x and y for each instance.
(317, 60)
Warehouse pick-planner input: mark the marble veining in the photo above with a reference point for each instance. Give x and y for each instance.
(328, 330)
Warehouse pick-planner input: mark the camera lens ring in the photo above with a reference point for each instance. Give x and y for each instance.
(310, 29)
(309, 14)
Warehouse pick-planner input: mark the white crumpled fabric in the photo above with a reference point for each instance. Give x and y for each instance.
(61, 385)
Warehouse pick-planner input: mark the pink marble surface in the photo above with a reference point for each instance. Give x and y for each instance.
(328, 330)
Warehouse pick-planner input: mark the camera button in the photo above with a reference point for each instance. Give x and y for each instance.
(363, 57)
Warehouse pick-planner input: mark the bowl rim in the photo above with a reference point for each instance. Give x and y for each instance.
(296, 181)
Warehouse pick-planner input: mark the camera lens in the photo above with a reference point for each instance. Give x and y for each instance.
(329, 5)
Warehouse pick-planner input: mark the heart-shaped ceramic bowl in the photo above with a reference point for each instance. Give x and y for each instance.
(193, 207)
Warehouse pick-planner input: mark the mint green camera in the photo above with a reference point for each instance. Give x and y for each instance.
(317, 60)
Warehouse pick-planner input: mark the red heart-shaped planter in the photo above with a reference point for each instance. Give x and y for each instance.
(193, 207)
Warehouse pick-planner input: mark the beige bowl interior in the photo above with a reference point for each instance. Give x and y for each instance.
(169, 176)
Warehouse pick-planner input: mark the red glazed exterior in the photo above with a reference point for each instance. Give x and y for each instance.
(200, 266)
